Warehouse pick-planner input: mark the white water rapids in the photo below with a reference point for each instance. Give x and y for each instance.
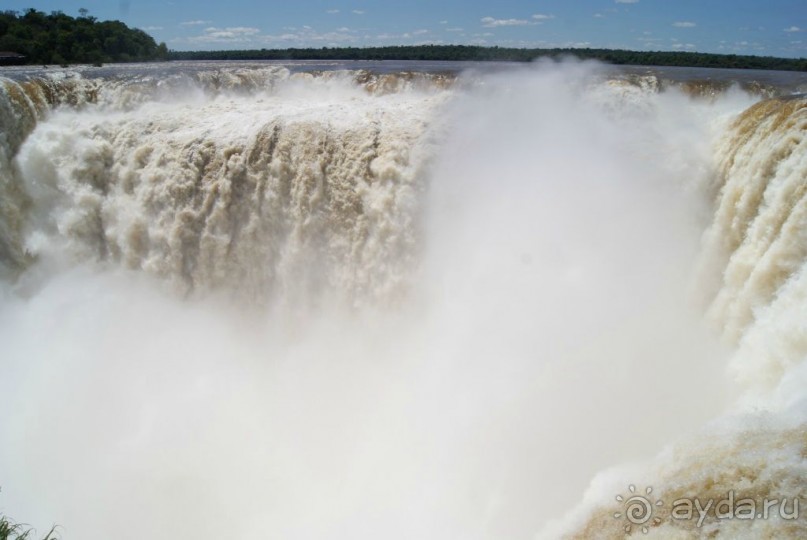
(251, 304)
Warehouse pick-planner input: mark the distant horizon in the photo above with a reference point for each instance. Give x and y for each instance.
(404, 45)
(471, 53)
(743, 27)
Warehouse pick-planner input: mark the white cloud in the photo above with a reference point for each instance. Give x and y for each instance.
(332, 11)
(392, 38)
(443, 22)
(252, 37)
(359, 12)
(194, 23)
(490, 22)
(793, 29)
(233, 33)
(457, 29)
(420, 32)
(599, 16)
(152, 28)
(688, 46)
(684, 24)
(542, 17)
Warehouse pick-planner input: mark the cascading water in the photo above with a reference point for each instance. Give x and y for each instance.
(254, 303)
(753, 279)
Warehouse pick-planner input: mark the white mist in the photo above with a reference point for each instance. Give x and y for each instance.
(548, 333)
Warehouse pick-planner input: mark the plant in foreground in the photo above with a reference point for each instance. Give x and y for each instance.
(14, 531)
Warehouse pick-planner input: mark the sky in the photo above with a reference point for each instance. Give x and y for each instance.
(761, 27)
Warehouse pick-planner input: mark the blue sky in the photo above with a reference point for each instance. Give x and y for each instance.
(768, 27)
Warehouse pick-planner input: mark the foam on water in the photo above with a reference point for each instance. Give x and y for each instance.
(345, 305)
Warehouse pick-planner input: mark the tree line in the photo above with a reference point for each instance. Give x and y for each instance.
(57, 38)
(503, 54)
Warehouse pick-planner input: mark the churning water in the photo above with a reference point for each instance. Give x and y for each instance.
(260, 302)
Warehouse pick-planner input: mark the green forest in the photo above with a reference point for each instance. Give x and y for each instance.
(502, 54)
(57, 38)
